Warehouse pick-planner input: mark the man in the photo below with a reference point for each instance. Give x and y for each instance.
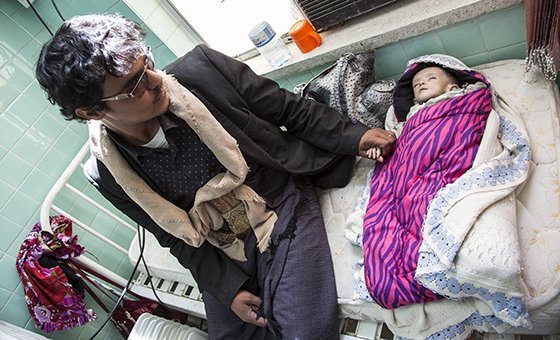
(199, 160)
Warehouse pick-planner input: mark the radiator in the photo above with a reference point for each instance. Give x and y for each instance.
(151, 327)
(323, 14)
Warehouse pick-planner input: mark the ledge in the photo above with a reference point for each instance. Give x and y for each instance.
(397, 21)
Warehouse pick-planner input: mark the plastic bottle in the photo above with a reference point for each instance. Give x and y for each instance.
(270, 46)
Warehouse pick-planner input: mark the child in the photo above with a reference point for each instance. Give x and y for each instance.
(439, 114)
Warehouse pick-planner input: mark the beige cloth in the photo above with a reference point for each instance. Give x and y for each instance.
(192, 227)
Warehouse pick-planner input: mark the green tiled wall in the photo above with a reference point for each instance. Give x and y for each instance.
(495, 36)
(36, 145)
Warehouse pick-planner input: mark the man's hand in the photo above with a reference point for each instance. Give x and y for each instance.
(245, 306)
(377, 143)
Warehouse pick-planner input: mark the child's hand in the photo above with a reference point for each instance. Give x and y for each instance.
(375, 154)
(379, 139)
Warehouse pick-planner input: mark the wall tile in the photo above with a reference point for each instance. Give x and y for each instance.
(30, 148)
(477, 59)
(83, 211)
(79, 7)
(104, 224)
(19, 208)
(88, 331)
(47, 128)
(163, 56)
(18, 72)
(3, 152)
(6, 191)
(78, 180)
(125, 268)
(69, 142)
(318, 69)
(30, 52)
(10, 7)
(13, 169)
(30, 326)
(302, 77)
(92, 244)
(51, 164)
(37, 185)
(122, 236)
(24, 111)
(285, 84)
(122, 9)
(160, 20)
(43, 36)
(72, 333)
(10, 277)
(47, 12)
(9, 93)
(389, 60)
(28, 21)
(17, 37)
(503, 28)
(79, 128)
(16, 244)
(110, 258)
(144, 8)
(426, 43)
(4, 297)
(65, 199)
(6, 53)
(37, 95)
(462, 40)
(11, 130)
(8, 233)
(518, 51)
(15, 311)
(180, 41)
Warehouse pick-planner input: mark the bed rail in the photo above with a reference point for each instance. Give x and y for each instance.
(178, 295)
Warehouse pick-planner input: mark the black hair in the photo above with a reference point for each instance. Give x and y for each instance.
(73, 65)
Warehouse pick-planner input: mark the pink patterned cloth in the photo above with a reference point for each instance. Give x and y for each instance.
(52, 301)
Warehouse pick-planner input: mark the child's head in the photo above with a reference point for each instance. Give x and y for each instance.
(431, 82)
(454, 72)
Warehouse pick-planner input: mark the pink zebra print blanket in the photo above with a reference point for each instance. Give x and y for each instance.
(437, 145)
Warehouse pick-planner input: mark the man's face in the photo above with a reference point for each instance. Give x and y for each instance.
(430, 82)
(133, 99)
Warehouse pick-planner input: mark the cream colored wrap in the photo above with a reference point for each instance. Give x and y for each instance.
(192, 227)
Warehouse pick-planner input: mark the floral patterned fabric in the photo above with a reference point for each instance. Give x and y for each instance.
(52, 301)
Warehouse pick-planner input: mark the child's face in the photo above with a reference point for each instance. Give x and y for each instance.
(430, 82)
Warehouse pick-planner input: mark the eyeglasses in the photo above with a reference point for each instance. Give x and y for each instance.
(140, 86)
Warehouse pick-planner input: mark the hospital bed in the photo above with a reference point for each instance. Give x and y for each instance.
(538, 203)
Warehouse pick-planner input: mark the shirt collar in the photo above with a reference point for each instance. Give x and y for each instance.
(166, 122)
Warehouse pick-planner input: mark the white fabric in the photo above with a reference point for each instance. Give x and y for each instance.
(159, 140)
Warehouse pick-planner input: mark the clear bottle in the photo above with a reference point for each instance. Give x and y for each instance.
(269, 44)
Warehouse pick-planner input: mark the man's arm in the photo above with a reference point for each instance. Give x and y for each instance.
(213, 271)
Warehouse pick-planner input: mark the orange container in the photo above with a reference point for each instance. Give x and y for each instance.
(305, 37)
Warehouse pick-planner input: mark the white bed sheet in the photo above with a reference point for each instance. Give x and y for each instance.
(538, 204)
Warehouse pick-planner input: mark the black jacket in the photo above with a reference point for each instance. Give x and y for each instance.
(252, 109)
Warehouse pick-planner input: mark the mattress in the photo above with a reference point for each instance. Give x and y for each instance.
(538, 210)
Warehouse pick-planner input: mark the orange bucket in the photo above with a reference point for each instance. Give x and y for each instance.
(305, 37)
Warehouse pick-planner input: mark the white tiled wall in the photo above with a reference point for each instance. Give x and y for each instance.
(166, 25)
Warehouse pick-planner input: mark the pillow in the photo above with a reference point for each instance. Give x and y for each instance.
(349, 86)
